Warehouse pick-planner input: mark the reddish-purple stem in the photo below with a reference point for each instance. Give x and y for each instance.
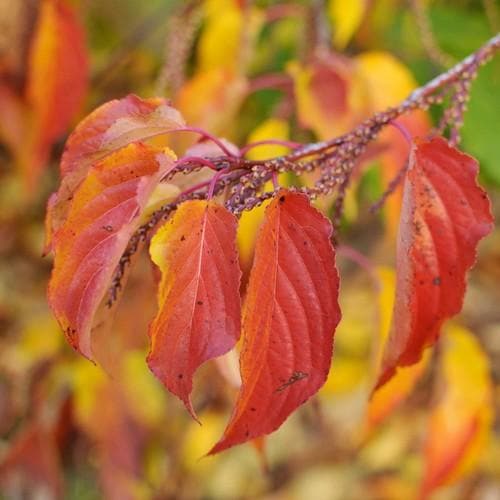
(195, 187)
(276, 12)
(207, 135)
(358, 258)
(390, 188)
(214, 181)
(274, 177)
(198, 160)
(404, 131)
(271, 81)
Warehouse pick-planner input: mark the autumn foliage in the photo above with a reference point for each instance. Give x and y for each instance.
(209, 242)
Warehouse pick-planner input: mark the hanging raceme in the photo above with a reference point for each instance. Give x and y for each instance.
(98, 220)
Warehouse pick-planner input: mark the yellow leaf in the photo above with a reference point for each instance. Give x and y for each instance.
(350, 365)
(346, 374)
(346, 18)
(351, 202)
(211, 99)
(272, 128)
(88, 381)
(145, 396)
(248, 227)
(388, 81)
(228, 35)
(199, 439)
(40, 339)
(460, 423)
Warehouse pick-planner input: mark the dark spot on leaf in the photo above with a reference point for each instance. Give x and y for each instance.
(199, 302)
(108, 228)
(183, 238)
(253, 409)
(282, 199)
(247, 433)
(180, 376)
(296, 376)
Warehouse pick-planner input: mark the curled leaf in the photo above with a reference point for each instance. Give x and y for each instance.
(444, 215)
(199, 313)
(104, 214)
(107, 129)
(289, 317)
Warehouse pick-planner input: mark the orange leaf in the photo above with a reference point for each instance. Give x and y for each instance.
(57, 77)
(330, 95)
(461, 419)
(444, 215)
(104, 213)
(110, 127)
(12, 117)
(199, 316)
(289, 317)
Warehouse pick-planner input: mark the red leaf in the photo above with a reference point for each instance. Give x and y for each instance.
(289, 317)
(104, 213)
(107, 129)
(57, 76)
(444, 215)
(199, 316)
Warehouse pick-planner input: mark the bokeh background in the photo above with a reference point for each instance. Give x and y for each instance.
(246, 71)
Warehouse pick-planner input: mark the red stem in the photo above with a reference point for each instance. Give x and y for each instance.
(359, 259)
(274, 176)
(404, 131)
(196, 159)
(207, 135)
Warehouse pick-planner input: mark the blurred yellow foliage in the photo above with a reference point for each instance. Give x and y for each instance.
(346, 18)
(145, 396)
(460, 422)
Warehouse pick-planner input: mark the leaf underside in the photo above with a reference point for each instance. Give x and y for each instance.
(444, 215)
